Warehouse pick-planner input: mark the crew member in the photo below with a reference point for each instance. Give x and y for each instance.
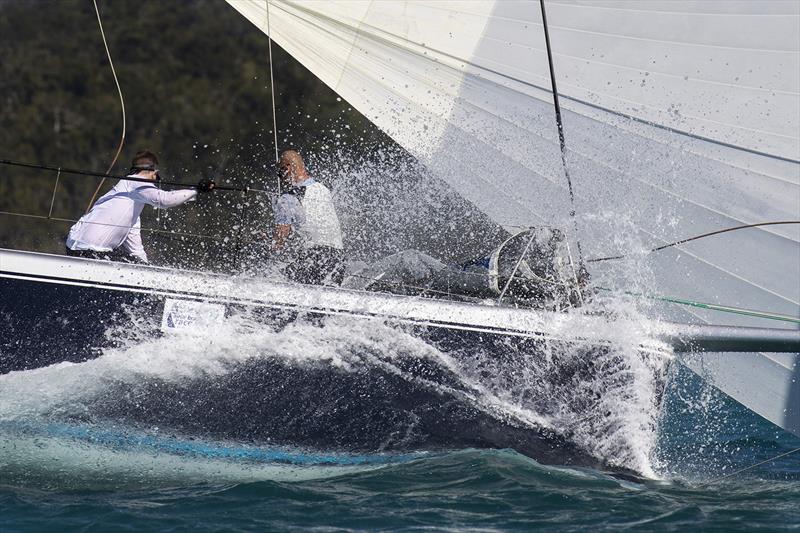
(307, 229)
(112, 227)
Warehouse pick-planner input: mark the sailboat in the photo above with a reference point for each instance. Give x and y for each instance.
(675, 119)
(682, 117)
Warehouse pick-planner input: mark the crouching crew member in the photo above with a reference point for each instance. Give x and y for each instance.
(112, 227)
(307, 231)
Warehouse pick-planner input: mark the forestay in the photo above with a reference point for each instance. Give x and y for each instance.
(681, 117)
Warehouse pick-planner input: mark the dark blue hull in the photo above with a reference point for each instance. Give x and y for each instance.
(46, 323)
(386, 404)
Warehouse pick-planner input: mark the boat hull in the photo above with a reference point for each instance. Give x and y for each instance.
(75, 310)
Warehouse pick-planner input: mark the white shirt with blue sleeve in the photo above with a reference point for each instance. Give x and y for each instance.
(313, 217)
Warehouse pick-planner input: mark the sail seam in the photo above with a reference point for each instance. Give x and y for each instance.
(673, 194)
(656, 72)
(688, 149)
(684, 133)
(664, 41)
(394, 42)
(557, 182)
(661, 11)
(639, 69)
(566, 96)
(728, 272)
(353, 44)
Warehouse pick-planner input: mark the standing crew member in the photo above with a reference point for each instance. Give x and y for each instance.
(306, 226)
(112, 227)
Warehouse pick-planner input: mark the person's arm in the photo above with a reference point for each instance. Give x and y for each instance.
(133, 242)
(285, 209)
(281, 234)
(162, 199)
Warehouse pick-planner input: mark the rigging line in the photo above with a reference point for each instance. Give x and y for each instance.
(644, 182)
(262, 191)
(745, 469)
(561, 139)
(696, 237)
(379, 280)
(127, 178)
(121, 104)
(423, 291)
(516, 266)
(574, 274)
(712, 307)
(53, 199)
(243, 212)
(151, 230)
(272, 89)
(510, 198)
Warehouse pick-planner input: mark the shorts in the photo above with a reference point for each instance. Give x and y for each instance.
(114, 255)
(314, 265)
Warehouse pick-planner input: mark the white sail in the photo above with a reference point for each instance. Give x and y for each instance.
(681, 117)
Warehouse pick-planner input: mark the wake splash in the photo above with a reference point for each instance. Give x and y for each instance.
(352, 386)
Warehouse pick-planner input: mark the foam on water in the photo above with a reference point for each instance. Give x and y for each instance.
(612, 410)
(53, 459)
(67, 388)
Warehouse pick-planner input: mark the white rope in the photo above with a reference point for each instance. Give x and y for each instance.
(272, 90)
(53, 199)
(121, 103)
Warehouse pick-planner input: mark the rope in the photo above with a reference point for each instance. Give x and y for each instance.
(243, 220)
(59, 219)
(713, 307)
(53, 199)
(561, 140)
(388, 283)
(575, 274)
(423, 290)
(121, 103)
(516, 266)
(127, 178)
(745, 469)
(272, 90)
(696, 237)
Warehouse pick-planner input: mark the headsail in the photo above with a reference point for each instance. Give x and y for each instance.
(681, 117)
(679, 130)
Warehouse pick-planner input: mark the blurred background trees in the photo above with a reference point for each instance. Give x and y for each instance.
(195, 78)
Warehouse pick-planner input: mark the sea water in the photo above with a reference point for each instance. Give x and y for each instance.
(109, 444)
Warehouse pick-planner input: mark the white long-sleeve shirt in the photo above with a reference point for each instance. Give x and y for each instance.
(113, 221)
